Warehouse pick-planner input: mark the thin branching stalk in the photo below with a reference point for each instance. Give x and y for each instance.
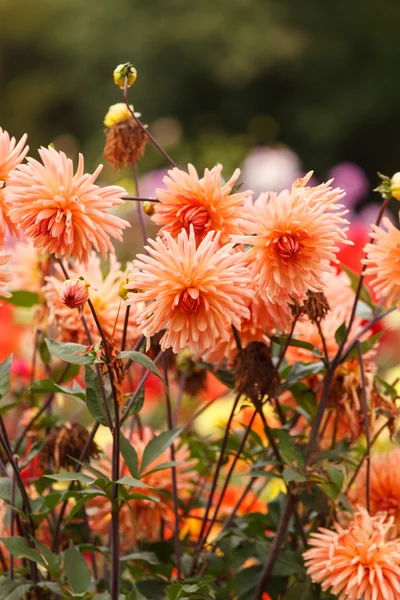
(145, 129)
(138, 388)
(139, 205)
(177, 542)
(364, 457)
(12, 517)
(366, 426)
(200, 542)
(138, 199)
(125, 330)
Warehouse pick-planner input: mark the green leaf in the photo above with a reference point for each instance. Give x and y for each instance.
(340, 333)
(130, 456)
(143, 360)
(367, 345)
(127, 480)
(365, 296)
(94, 400)
(157, 446)
(290, 474)
(5, 367)
(14, 590)
(22, 298)
(46, 386)
(289, 451)
(166, 465)
(300, 371)
(5, 492)
(71, 477)
(53, 561)
(72, 353)
(288, 563)
(148, 557)
(19, 548)
(223, 375)
(76, 570)
(138, 404)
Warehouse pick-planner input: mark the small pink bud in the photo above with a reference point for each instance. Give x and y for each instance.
(74, 292)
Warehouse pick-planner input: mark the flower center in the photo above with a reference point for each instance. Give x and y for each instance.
(189, 301)
(194, 215)
(287, 247)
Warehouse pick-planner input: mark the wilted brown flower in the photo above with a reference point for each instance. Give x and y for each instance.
(126, 140)
(315, 306)
(256, 375)
(66, 443)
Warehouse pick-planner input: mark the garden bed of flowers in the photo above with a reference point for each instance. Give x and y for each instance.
(210, 420)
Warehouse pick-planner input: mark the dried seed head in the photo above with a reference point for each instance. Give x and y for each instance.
(256, 376)
(316, 307)
(126, 141)
(66, 443)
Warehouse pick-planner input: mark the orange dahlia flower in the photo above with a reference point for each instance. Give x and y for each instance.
(384, 486)
(195, 292)
(204, 203)
(383, 261)
(61, 212)
(141, 518)
(358, 562)
(293, 238)
(11, 155)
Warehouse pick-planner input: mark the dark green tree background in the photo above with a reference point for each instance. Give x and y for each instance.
(321, 76)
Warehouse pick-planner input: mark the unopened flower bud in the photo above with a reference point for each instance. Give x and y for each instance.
(74, 292)
(149, 208)
(127, 70)
(395, 186)
(123, 292)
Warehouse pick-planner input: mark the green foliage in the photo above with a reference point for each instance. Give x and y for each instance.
(5, 376)
(76, 570)
(157, 446)
(72, 353)
(22, 298)
(46, 386)
(94, 400)
(143, 360)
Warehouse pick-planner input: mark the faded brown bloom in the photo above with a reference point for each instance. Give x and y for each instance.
(126, 142)
(66, 443)
(256, 376)
(316, 307)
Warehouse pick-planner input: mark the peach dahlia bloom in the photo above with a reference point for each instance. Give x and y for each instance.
(195, 292)
(357, 563)
(11, 155)
(294, 237)
(61, 212)
(383, 261)
(104, 294)
(384, 486)
(205, 203)
(140, 518)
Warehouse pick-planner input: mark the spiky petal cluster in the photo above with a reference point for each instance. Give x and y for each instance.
(104, 294)
(383, 261)
(358, 562)
(204, 203)
(384, 489)
(195, 292)
(11, 155)
(63, 213)
(141, 518)
(294, 237)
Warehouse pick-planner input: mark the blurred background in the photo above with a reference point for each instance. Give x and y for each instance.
(290, 86)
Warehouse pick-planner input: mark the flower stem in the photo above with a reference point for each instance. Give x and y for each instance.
(177, 542)
(366, 425)
(147, 132)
